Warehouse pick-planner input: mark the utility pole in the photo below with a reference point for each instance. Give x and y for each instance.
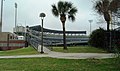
(15, 16)
(1, 15)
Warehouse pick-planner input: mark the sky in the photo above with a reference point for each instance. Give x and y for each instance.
(29, 10)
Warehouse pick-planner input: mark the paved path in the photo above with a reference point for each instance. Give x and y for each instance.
(52, 54)
(77, 55)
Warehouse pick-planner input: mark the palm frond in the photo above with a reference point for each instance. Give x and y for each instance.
(73, 11)
(99, 7)
(71, 17)
(67, 6)
(61, 6)
(106, 5)
(55, 10)
(64, 8)
(103, 6)
(114, 5)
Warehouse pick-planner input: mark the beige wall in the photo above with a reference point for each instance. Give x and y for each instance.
(3, 36)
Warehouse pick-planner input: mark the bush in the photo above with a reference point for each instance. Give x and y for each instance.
(116, 40)
(98, 38)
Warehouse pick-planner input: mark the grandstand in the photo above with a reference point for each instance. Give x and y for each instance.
(38, 28)
(55, 38)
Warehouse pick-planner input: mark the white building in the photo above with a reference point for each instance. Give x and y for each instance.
(19, 29)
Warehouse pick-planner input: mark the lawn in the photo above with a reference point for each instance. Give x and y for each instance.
(79, 49)
(52, 64)
(23, 51)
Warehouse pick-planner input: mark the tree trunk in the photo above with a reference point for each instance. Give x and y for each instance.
(108, 36)
(64, 36)
(63, 19)
(107, 19)
(108, 25)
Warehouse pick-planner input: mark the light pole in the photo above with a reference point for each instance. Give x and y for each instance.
(1, 15)
(90, 21)
(15, 17)
(42, 15)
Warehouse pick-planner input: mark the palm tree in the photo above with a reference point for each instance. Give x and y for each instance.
(64, 9)
(105, 8)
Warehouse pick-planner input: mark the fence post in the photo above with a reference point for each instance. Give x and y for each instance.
(8, 41)
(39, 48)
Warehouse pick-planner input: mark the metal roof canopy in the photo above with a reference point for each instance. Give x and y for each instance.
(38, 28)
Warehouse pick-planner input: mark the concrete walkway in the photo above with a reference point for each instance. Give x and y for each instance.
(77, 55)
(52, 54)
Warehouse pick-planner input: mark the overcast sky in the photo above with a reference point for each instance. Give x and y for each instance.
(29, 10)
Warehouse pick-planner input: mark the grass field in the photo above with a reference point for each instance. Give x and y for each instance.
(29, 50)
(80, 49)
(23, 51)
(52, 64)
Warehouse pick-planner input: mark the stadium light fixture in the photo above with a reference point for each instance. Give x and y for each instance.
(90, 21)
(1, 15)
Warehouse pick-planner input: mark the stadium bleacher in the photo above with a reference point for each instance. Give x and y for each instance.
(54, 37)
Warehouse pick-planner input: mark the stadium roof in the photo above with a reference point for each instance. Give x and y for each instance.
(118, 29)
(38, 28)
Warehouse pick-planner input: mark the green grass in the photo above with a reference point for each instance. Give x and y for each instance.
(80, 49)
(52, 64)
(23, 51)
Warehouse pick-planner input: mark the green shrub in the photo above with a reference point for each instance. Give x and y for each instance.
(116, 41)
(98, 38)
